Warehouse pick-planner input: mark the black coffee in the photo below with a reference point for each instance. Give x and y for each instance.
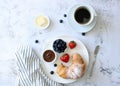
(82, 15)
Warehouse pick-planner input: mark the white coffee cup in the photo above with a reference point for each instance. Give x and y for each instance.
(84, 14)
(86, 26)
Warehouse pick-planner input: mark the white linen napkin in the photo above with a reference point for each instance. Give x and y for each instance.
(30, 72)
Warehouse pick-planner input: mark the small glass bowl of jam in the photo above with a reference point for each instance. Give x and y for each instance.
(49, 56)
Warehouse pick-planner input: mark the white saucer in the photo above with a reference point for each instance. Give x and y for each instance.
(75, 25)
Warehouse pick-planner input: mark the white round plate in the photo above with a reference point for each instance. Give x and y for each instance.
(75, 25)
(47, 67)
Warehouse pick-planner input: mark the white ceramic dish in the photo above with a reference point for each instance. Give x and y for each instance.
(54, 58)
(77, 27)
(47, 67)
(38, 19)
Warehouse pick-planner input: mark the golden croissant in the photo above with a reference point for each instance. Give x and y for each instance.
(75, 70)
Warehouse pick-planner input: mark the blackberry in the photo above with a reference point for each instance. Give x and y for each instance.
(59, 45)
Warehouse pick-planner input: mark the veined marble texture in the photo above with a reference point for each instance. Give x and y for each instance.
(17, 25)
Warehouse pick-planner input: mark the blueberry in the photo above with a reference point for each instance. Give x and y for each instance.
(51, 72)
(56, 49)
(55, 65)
(59, 39)
(55, 44)
(59, 51)
(62, 48)
(83, 34)
(63, 44)
(36, 41)
(61, 21)
(59, 45)
(65, 15)
(60, 42)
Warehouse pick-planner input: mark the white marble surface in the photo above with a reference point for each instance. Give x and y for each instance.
(17, 25)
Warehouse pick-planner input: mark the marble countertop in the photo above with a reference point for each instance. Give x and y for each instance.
(17, 25)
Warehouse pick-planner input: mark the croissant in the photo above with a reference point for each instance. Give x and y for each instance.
(75, 70)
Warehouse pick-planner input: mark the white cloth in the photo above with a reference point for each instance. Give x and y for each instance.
(30, 72)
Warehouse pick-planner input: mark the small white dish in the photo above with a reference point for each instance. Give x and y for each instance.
(50, 59)
(42, 22)
(76, 26)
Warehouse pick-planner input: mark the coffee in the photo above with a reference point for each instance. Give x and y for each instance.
(82, 15)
